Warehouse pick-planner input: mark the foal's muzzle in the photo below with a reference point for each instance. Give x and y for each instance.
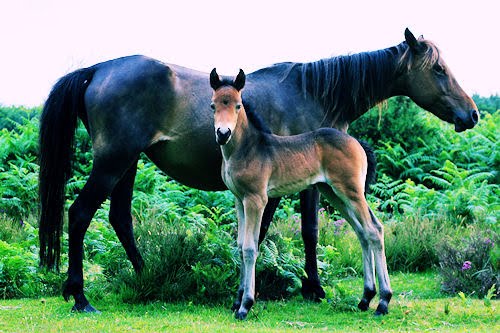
(222, 136)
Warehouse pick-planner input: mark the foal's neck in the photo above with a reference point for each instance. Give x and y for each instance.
(245, 134)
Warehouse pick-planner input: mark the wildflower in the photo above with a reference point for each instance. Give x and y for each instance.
(467, 265)
(488, 241)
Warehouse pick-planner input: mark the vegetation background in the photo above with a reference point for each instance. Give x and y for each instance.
(437, 194)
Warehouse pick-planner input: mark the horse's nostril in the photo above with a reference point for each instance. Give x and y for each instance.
(475, 116)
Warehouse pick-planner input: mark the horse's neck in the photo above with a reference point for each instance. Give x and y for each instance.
(349, 86)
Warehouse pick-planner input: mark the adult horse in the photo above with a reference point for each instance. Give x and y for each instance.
(137, 104)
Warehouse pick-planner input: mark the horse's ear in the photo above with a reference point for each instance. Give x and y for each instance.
(239, 82)
(214, 79)
(414, 44)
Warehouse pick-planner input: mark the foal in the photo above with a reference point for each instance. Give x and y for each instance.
(258, 165)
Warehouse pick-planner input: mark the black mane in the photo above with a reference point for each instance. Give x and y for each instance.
(348, 83)
(256, 120)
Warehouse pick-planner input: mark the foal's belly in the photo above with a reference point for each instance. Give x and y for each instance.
(281, 187)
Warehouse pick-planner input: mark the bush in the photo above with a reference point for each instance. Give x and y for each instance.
(466, 265)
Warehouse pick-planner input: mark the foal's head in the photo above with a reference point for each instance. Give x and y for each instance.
(226, 104)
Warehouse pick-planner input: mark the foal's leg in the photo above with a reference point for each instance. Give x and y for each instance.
(378, 248)
(241, 224)
(369, 290)
(249, 237)
(120, 216)
(104, 176)
(311, 287)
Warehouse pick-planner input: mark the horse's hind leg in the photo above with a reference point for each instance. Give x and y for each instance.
(104, 176)
(311, 287)
(120, 216)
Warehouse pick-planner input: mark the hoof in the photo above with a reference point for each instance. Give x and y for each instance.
(363, 305)
(236, 306)
(312, 290)
(381, 310)
(86, 309)
(241, 315)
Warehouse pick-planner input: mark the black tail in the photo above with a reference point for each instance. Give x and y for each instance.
(371, 175)
(57, 132)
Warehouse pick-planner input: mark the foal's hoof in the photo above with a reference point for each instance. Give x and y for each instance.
(241, 315)
(85, 309)
(236, 306)
(382, 309)
(363, 305)
(312, 290)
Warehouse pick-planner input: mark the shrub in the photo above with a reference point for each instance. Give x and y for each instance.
(411, 242)
(466, 266)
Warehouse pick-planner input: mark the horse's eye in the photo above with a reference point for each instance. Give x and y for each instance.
(212, 106)
(439, 69)
(238, 106)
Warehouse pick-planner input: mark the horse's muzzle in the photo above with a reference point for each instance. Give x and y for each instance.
(468, 121)
(222, 136)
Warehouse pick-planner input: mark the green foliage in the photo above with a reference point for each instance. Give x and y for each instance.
(11, 116)
(432, 184)
(487, 104)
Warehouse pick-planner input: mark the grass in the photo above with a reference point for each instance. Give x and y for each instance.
(417, 306)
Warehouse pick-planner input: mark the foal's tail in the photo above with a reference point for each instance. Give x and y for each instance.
(57, 132)
(371, 175)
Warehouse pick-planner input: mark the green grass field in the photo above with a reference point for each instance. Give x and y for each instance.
(417, 305)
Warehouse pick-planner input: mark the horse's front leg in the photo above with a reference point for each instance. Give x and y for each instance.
(249, 235)
(311, 287)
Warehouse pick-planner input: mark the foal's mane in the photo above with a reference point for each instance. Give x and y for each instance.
(350, 84)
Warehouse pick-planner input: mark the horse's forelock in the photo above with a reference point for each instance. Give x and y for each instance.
(427, 58)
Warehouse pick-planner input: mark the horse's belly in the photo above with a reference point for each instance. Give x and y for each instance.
(194, 165)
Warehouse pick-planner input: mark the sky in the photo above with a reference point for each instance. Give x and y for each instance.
(42, 40)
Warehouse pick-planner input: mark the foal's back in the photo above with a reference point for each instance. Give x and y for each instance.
(322, 156)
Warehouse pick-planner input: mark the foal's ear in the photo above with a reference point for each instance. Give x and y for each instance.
(239, 82)
(215, 82)
(414, 44)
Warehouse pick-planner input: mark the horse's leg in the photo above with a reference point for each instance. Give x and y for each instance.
(267, 217)
(311, 287)
(104, 176)
(249, 237)
(241, 224)
(120, 216)
(369, 290)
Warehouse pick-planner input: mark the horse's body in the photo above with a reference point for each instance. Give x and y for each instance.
(136, 104)
(258, 165)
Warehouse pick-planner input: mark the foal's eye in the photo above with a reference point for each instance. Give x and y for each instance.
(212, 106)
(238, 106)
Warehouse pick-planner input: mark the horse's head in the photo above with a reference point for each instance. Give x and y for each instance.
(226, 104)
(430, 84)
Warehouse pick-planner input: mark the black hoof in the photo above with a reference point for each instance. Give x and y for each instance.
(236, 306)
(241, 315)
(85, 309)
(363, 305)
(381, 310)
(312, 290)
